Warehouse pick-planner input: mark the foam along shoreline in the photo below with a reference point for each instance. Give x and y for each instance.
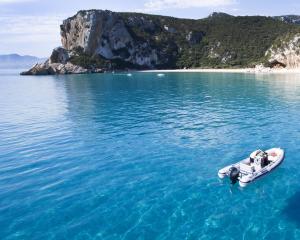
(225, 70)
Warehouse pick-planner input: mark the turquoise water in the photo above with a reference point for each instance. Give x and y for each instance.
(118, 157)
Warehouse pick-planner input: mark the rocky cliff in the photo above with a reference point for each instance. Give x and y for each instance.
(294, 19)
(107, 34)
(59, 63)
(96, 41)
(285, 53)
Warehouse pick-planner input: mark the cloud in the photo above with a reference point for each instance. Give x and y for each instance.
(18, 24)
(157, 5)
(35, 35)
(14, 1)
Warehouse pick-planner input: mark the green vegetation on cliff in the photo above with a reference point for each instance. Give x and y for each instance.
(219, 41)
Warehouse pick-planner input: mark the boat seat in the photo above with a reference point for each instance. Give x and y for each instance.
(245, 168)
(273, 154)
(257, 167)
(271, 158)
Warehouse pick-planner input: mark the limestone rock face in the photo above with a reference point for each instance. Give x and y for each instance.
(105, 33)
(97, 40)
(195, 37)
(286, 54)
(142, 23)
(49, 68)
(59, 55)
(59, 63)
(38, 69)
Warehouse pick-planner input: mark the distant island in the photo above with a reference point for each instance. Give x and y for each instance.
(98, 41)
(18, 61)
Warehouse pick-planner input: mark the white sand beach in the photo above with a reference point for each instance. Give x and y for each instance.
(235, 70)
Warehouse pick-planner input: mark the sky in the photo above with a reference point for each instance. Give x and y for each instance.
(31, 27)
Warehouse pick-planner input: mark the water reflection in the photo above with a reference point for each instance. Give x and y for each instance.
(283, 86)
(187, 106)
(31, 98)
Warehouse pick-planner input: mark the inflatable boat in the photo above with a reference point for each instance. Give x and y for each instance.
(258, 164)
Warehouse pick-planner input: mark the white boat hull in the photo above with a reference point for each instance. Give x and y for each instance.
(248, 172)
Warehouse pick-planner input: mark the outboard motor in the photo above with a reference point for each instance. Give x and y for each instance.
(234, 174)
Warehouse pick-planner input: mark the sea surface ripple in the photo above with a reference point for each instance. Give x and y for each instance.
(117, 156)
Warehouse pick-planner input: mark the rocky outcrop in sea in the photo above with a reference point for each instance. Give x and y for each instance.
(59, 63)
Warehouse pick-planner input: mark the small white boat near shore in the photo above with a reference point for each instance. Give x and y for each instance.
(160, 74)
(258, 164)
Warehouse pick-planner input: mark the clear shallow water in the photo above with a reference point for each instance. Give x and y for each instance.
(117, 157)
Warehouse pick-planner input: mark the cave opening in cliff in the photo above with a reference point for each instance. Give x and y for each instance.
(277, 64)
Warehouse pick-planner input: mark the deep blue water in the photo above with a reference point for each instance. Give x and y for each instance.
(117, 157)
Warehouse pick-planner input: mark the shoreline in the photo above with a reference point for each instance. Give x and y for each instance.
(226, 70)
